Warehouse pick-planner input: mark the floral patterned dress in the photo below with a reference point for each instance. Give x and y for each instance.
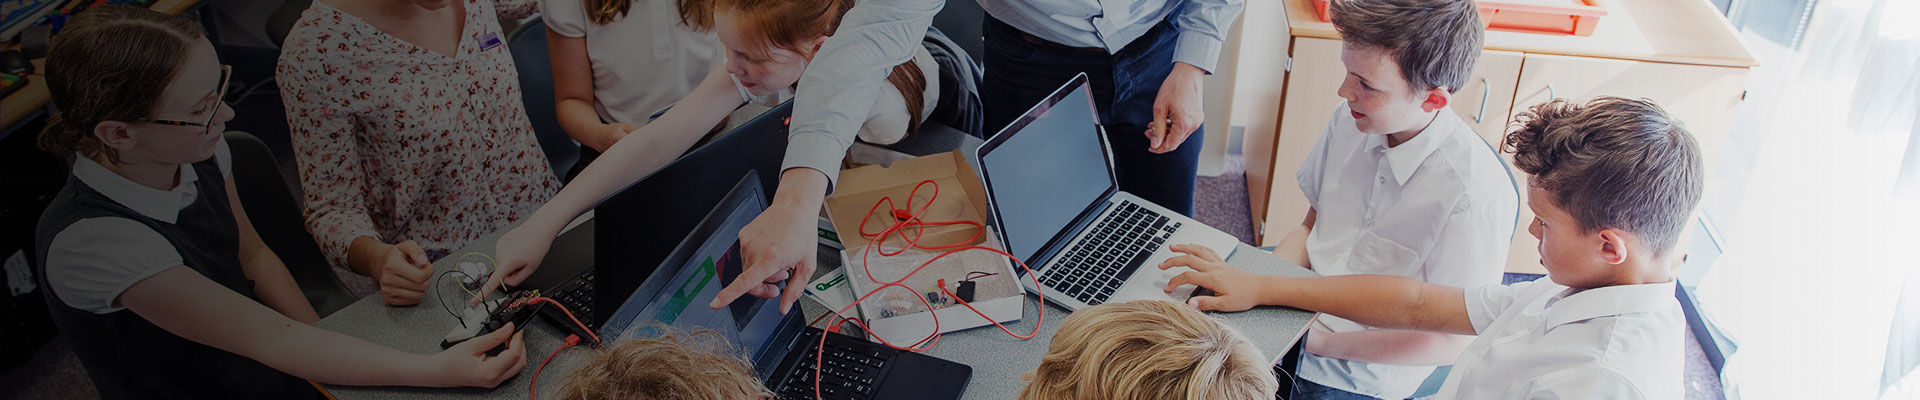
(397, 142)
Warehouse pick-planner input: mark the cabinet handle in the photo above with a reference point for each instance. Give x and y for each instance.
(1485, 90)
(1550, 94)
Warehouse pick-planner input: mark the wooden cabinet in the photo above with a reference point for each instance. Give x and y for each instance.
(1486, 101)
(1680, 53)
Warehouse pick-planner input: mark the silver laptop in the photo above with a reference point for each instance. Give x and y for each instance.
(1056, 204)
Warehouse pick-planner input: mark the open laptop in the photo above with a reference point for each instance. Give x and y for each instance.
(782, 348)
(1056, 204)
(636, 228)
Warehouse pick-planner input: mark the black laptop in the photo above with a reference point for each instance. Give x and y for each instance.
(783, 349)
(636, 228)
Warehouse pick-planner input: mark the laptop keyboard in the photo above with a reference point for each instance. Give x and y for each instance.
(851, 367)
(578, 297)
(1093, 269)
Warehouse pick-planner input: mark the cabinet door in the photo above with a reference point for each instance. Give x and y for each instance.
(1486, 101)
(1309, 99)
(1703, 98)
(1259, 86)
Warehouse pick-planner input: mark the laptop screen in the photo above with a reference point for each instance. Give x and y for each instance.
(676, 295)
(1046, 168)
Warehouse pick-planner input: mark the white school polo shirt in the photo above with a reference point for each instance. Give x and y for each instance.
(1540, 340)
(643, 61)
(93, 260)
(1439, 208)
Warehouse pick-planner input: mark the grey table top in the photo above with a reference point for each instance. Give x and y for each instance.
(998, 360)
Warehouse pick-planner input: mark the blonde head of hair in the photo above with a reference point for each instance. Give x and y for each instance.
(1149, 350)
(669, 367)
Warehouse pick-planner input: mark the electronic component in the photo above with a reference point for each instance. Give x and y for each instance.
(518, 308)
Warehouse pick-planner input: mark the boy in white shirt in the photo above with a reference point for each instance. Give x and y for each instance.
(1398, 185)
(1613, 184)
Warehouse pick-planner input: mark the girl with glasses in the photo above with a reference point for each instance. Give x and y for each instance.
(152, 269)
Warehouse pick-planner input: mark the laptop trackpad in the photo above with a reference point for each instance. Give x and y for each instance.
(919, 376)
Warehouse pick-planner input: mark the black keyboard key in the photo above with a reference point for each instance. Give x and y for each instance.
(1132, 265)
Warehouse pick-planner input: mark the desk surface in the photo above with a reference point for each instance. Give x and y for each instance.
(997, 359)
(18, 105)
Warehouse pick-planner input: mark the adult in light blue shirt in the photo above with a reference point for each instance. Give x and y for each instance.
(1144, 60)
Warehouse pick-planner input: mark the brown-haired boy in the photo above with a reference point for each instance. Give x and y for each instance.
(1398, 185)
(1614, 182)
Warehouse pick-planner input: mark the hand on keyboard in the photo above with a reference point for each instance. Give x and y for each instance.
(1233, 289)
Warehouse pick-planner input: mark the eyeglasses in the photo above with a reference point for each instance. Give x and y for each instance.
(226, 71)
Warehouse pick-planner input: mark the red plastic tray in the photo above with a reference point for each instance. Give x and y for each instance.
(1575, 17)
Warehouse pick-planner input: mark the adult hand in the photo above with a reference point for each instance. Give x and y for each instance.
(467, 363)
(605, 135)
(402, 273)
(1178, 110)
(1233, 289)
(779, 245)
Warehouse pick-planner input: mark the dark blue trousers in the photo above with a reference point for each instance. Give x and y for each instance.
(1021, 71)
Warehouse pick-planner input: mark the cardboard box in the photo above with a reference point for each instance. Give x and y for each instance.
(961, 197)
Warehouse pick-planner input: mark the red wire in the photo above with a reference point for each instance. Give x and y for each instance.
(576, 321)
(533, 385)
(901, 222)
(570, 342)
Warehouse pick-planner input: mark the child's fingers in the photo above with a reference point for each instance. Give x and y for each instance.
(519, 363)
(410, 274)
(415, 254)
(1189, 261)
(1205, 253)
(520, 275)
(509, 363)
(478, 346)
(1206, 303)
(493, 281)
(1200, 279)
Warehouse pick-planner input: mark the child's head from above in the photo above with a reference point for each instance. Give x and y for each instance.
(666, 367)
(1149, 350)
(770, 42)
(134, 86)
(1613, 184)
(1404, 59)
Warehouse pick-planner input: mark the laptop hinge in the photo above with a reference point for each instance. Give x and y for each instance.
(1073, 230)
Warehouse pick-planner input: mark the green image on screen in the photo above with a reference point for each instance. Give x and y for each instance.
(689, 289)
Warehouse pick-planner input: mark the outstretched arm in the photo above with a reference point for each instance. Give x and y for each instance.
(185, 303)
(1383, 301)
